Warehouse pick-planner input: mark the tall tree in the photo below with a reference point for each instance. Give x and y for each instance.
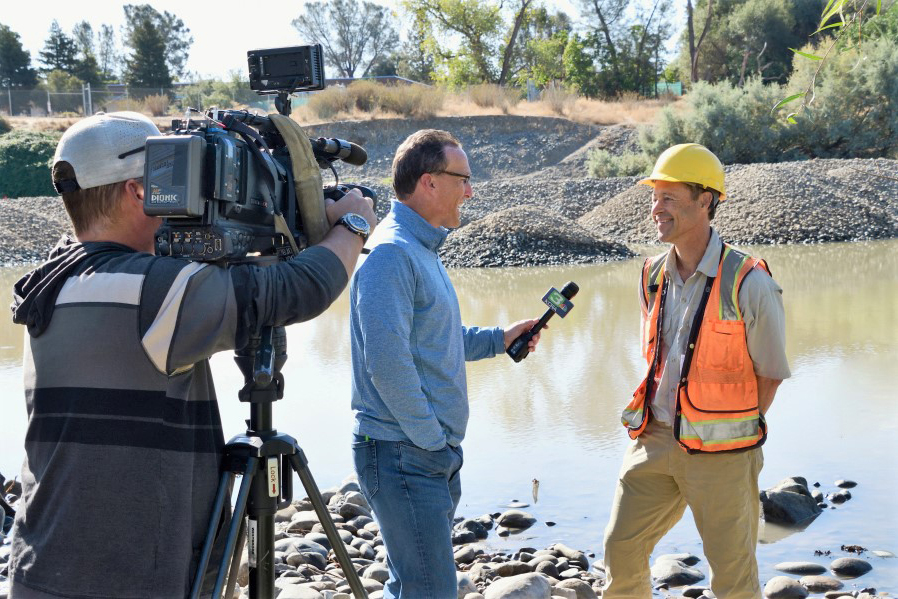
(694, 47)
(176, 38)
(484, 32)
(354, 35)
(604, 16)
(59, 53)
(15, 61)
(543, 40)
(108, 57)
(626, 40)
(86, 67)
(417, 58)
(147, 65)
(743, 38)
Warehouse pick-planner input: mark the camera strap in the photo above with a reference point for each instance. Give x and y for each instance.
(249, 135)
(306, 178)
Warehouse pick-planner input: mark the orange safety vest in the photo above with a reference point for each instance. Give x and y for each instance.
(717, 395)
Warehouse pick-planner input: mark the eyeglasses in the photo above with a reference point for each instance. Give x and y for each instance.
(466, 179)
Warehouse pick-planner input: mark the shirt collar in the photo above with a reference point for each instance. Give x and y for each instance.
(707, 265)
(430, 237)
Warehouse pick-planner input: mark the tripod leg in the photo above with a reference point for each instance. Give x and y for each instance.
(300, 465)
(234, 570)
(224, 486)
(236, 524)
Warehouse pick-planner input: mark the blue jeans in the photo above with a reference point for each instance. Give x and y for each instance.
(414, 494)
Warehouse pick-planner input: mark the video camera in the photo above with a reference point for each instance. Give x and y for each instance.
(225, 183)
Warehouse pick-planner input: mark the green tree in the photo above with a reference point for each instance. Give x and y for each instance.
(62, 82)
(417, 58)
(859, 19)
(59, 51)
(108, 57)
(147, 65)
(543, 38)
(15, 61)
(176, 38)
(86, 67)
(626, 41)
(745, 38)
(547, 59)
(354, 35)
(488, 42)
(579, 70)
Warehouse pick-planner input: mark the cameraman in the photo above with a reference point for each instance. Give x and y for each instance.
(124, 435)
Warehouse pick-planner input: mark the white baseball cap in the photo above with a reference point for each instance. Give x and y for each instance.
(103, 149)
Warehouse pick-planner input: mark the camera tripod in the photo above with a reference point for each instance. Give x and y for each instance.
(266, 460)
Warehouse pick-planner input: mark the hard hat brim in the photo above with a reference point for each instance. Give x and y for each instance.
(650, 181)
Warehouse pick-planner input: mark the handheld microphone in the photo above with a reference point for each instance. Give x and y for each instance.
(559, 303)
(331, 148)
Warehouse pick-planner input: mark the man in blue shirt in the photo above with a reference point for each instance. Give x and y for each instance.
(409, 348)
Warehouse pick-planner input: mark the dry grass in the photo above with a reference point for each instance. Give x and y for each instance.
(157, 104)
(490, 95)
(60, 124)
(368, 101)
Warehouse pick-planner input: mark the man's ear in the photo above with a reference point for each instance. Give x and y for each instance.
(426, 180)
(706, 195)
(134, 189)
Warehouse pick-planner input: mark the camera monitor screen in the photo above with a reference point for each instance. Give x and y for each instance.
(299, 68)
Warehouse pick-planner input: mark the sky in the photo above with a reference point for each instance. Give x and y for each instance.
(222, 31)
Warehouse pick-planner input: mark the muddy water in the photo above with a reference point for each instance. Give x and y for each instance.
(554, 417)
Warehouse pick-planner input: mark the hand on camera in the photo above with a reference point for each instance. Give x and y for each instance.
(353, 201)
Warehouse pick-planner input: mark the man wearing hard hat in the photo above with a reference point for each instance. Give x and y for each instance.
(713, 337)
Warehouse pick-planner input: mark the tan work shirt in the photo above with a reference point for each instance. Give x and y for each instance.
(761, 303)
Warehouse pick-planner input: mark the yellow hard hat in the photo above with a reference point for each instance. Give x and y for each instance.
(688, 163)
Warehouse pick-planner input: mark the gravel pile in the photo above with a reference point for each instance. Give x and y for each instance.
(526, 235)
(31, 227)
(530, 184)
(790, 202)
(497, 146)
(568, 197)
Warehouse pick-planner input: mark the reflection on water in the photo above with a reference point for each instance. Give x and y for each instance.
(555, 416)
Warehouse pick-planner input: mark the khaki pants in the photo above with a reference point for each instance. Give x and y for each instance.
(657, 481)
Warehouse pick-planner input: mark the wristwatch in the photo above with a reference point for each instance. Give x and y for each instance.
(355, 223)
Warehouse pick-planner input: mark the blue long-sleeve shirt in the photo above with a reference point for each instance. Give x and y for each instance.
(408, 344)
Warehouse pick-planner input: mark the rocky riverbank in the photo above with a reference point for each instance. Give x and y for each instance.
(533, 203)
(306, 568)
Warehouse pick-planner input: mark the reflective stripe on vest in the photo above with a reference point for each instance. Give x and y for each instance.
(717, 399)
(653, 281)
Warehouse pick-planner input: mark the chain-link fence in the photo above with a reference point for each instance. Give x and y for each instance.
(40, 101)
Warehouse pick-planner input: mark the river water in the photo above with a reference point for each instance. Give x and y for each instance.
(555, 416)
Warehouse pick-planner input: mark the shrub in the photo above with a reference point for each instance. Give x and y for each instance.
(231, 93)
(412, 100)
(25, 160)
(157, 104)
(854, 112)
(131, 104)
(4, 126)
(490, 95)
(330, 102)
(365, 95)
(735, 123)
(603, 163)
(558, 99)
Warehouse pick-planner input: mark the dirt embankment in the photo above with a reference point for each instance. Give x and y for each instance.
(534, 203)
